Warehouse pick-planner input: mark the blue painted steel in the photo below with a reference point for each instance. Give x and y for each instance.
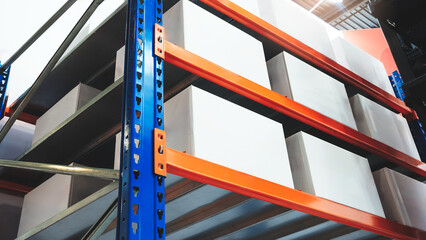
(4, 79)
(419, 138)
(141, 198)
(397, 82)
(416, 128)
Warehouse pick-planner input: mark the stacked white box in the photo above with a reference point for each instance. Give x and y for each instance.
(209, 37)
(17, 140)
(307, 85)
(403, 198)
(213, 129)
(361, 63)
(330, 172)
(383, 125)
(63, 109)
(294, 20)
(119, 63)
(54, 196)
(10, 212)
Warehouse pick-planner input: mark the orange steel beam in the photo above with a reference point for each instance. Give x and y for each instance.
(308, 54)
(25, 117)
(225, 78)
(206, 172)
(14, 187)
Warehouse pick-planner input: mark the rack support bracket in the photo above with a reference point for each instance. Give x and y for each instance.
(160, 160)
(159, 41)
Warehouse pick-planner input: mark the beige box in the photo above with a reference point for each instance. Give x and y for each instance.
(55, 195)
(211, 128)
(63, 109)
(403, 198)
(202, 33)
(325, 170)
(310, 87)
(383, 125)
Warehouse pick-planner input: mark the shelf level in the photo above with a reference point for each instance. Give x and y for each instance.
(95, 122)
(77, 218)
(206, 172)
(308, 54)
(225, 78)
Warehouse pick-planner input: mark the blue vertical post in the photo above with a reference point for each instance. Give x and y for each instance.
(416, 128)
(4, 79)
(141, 193)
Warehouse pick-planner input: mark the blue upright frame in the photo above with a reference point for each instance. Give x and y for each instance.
(141, 194)
(415, 125)
(4, 79)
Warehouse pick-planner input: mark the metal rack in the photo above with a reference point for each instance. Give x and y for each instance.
(144, 189)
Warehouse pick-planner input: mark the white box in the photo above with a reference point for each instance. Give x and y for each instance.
(55, 195)
(325, 170)
(17, 140)
(10, 212)
(299, 23)
(63, 109)
(213, 129)
(361, 63)
(209, 37)
(403, 198)
(383, 125)
(119, 63)
(308, 86)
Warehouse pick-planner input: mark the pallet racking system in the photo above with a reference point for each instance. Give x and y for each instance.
(146, 161)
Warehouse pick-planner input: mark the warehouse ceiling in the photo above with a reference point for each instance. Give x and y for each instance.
(347, 15)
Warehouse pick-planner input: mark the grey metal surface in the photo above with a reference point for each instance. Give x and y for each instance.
(50, 65)
(101, 225)
(95, 122)
(76, 218)
(62, 169)
(210, 213)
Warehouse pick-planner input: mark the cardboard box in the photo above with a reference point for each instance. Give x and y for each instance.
(325, 170)
(213, 129)
(63, 109)
(383, 125)
(403, 198)
(209, 37)
(54, 196)
(308, 86)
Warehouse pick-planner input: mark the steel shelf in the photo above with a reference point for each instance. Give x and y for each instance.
(77, 135)
(218, 210)
(75, 220)
(308, 54)
(206, 172)
(225, 78)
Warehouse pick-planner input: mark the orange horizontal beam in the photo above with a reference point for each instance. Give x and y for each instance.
(14, 187)
(206, 172)
(309, 54)
(225, 78)
(25, 117)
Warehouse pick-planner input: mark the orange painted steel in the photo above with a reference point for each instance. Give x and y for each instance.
(25, 117)
(160, 166)
(14, 187)
(308, 54)
(187, 166)
(225, 78)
